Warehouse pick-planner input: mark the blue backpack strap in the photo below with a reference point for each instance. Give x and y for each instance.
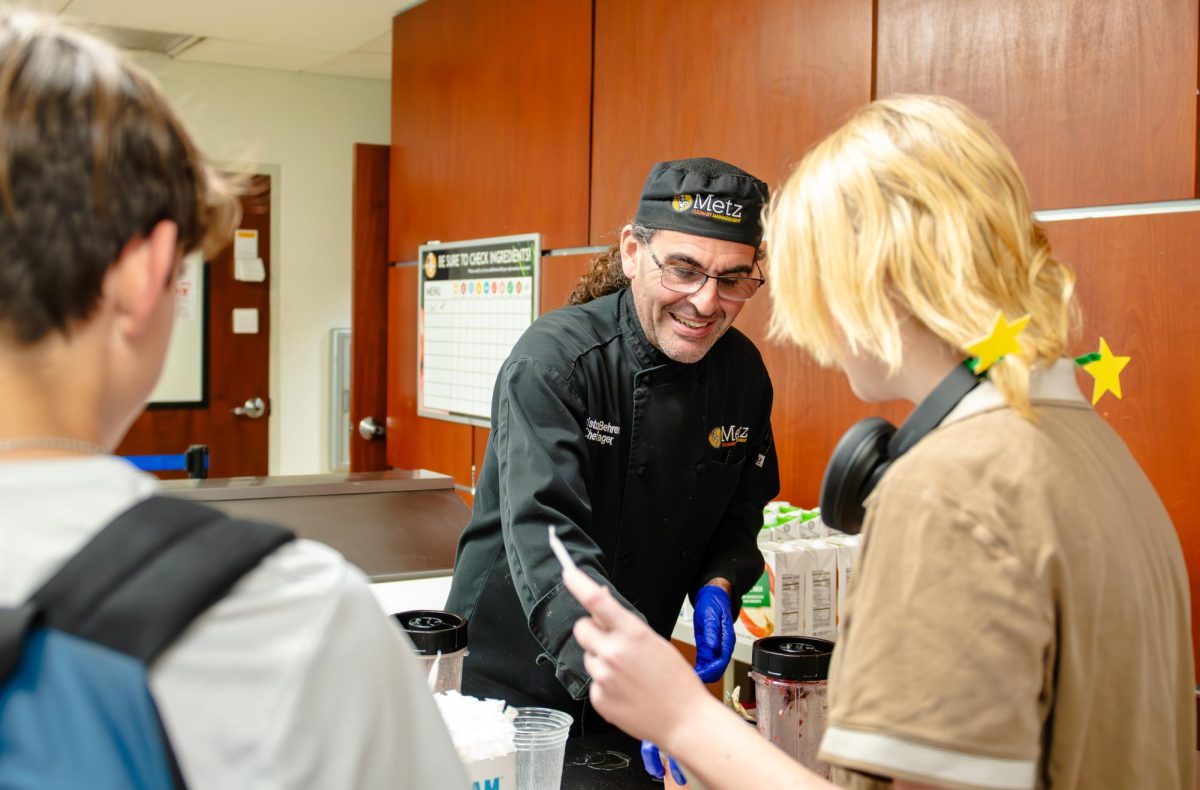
(73, 659)
(15, 623)
(141, 581)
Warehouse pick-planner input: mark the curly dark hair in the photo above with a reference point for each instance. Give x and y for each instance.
(602, 278)
(91, 156)
(605, 275)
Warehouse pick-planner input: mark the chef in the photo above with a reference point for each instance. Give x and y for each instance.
(636, 422)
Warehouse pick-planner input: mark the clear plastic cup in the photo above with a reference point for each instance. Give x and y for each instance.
(541, 741)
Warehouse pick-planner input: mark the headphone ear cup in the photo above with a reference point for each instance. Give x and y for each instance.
(857, 463)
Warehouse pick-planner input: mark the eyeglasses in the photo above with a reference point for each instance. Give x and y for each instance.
(686, 280)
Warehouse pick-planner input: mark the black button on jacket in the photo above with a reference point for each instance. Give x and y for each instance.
(654, 474)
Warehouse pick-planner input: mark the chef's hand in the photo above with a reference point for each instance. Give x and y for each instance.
(652, 760)
(713, 622)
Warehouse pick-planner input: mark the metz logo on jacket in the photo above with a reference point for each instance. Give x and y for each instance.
(728, 436)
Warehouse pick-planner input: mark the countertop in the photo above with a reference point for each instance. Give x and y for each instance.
(600, 762)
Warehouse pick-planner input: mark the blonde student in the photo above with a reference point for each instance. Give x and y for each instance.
(1020, 615)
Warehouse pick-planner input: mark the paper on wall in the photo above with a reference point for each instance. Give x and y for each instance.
(249, 270)
(245, 243)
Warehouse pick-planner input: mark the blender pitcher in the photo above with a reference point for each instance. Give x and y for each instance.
(790, 686)
(433, 632)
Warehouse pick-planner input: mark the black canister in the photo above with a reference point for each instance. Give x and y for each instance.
(792, 657)
(435, 633)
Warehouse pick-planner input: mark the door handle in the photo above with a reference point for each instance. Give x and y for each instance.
(254, 408)
(370, 429)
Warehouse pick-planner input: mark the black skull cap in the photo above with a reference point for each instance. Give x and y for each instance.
(704, 197)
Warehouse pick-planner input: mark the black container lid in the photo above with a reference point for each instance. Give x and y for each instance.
(792, 657)
(432, 631)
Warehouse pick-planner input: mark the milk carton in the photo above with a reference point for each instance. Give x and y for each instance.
(755, 619)
(847, 553)
(817, 575)
(782, 523)
(800, 590)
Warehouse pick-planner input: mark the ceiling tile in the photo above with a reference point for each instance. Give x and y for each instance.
(303, 24)
(380, 46)
(47, 6)
(262, 56)
(371, 65)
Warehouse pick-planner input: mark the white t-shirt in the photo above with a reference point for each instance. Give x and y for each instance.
(295, 679)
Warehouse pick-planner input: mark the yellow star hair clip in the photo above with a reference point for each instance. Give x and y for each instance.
(1105, 367)
(991, 348)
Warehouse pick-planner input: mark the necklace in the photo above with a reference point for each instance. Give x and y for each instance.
(52, 443)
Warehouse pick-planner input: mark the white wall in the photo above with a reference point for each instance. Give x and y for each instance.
(300, 129)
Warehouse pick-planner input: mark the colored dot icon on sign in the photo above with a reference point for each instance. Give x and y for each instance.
(510, 286)
(478, 288)
(518, 287)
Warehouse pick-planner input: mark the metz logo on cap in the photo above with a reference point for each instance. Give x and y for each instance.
(709, 206)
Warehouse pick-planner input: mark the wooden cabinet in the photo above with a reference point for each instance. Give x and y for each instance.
(491, 115)
(1096, 100)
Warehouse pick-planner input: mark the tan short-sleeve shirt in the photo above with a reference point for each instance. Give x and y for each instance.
(1020, 614)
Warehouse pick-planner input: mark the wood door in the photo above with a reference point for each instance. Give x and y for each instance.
(368, 314)
(237, 367)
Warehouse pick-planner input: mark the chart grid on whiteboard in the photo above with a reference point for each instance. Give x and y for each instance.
(476, 299)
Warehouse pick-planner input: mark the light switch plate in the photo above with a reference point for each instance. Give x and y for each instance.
(245, 320)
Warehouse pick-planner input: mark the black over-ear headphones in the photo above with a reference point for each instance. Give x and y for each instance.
(869, 448)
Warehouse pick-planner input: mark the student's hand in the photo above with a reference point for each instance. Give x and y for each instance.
(652, 761)
(713, 623)
(640, 682)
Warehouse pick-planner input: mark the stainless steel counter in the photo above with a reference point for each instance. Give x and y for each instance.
(399, 524)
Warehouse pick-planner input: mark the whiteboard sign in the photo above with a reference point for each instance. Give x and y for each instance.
(474, 299)
(184, 376)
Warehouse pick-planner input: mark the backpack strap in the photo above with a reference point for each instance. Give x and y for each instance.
(15, 623)
(145, 577)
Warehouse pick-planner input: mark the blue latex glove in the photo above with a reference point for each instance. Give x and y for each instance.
(653, 762)
(713, 622)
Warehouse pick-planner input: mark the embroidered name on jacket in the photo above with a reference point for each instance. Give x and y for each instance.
(601, 432)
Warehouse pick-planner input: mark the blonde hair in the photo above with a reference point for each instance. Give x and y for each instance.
(915, 208)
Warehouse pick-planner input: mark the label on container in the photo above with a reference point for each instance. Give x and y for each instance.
(759, 594)
(498, 773)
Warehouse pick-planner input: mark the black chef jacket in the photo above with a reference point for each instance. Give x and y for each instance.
(654, 473)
